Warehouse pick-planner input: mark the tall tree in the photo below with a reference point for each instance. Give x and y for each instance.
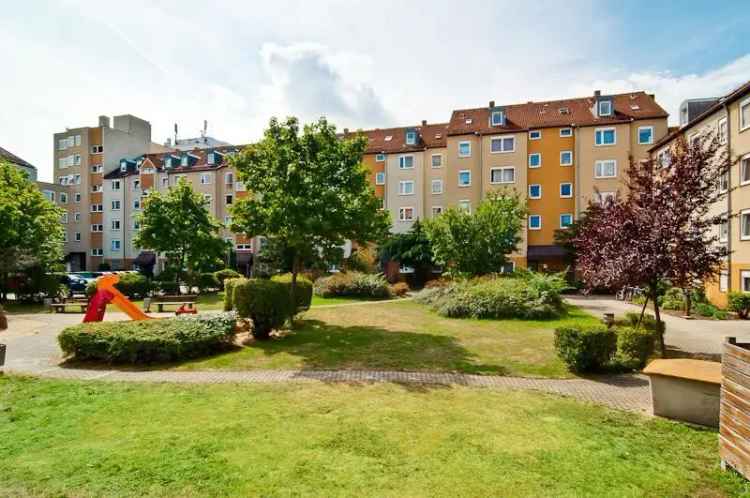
(662, 230)
(178, 224)
(31, 233)
(412, 248)
(478, 243)
(308, 190)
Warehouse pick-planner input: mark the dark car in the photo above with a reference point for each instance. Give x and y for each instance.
(74, 283)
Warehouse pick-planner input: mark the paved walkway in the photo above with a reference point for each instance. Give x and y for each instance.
(694, 337)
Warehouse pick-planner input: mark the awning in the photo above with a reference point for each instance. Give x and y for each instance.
(145, 259)
(539, 252)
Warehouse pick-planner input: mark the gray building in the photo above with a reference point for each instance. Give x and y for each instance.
(24, 166)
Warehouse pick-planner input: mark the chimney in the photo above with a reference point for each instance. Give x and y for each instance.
(175, 134)
(492, 104)
(104, 121)
(424, 122)
(597, 93)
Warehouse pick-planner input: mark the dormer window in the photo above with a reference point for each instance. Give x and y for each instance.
(564, 110)
(498, 118)
(168, 162)
(389, 138)
(184, 161)
(469, 120)
(411, 137)
(211, 158)
(605, 108)
(124, 166)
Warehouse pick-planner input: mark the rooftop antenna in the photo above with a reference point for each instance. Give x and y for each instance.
(205, 127)
(175, 133)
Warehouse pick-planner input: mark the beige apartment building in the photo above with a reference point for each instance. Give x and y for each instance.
(727, 118)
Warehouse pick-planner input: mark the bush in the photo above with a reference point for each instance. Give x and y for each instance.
(229, 285)
(149, 341)
(133, 285)
(634, 346)
(710, 311)
(400, 289)
(265, 302)
(739, 302)
(167, 287)
(353, 284)
(673, 299)
(648, 322)
(303, 293)
(204, 282)
(585, 349)
(224, 274)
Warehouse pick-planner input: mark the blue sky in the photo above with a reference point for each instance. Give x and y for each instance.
(362, 64)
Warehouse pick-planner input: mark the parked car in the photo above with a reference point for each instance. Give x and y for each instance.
(75, 283)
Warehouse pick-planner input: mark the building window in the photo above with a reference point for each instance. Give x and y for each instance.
(745, 225)
(535, 134)
(77, 217)
(165, 181)
(499, 145)
(498, 118)
(722, 131)
(437, 186)
(97, 228)
(535, 191)
(96, 188)
(503, 175)
(136, 184)
(63, 198)
(535, 222)
(566, 190)
(437, 211)
(211, 158)
(724, 182)
(184, 161)
(380, 178)
(566, 158)
(96, 168)
(115, 185)
(605, 108)
(208, 198)
(437, 160)
(605, 136)
(566, 220)
(239, 186)
(464, 149)
(49, 195)
(77, 197)
(227, 220)
(406, 187)
(464, 178)
(77, 179)
(116, 225)
(645, 135)
(406, 162)
(745, 170)
(115, 244)
(411, 137)
(77, 237)
(745, 281)
(65, 237)
(115, 205)
(379, 158)
(136, 204)
(97, 251)
(724, 230)
(406, 214)
(97, 149)
(64, 218)
(206, 179)
(229, 179)
(745, 114)
(535, 160)
(464, 206)
(136, 225)
(566, 132)
(723, 281)
(228, 199)
(605, 169)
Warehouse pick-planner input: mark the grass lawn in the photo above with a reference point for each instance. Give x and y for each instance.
(405, 336)
(69, 438)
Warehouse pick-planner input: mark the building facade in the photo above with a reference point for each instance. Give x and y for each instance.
(19, 163)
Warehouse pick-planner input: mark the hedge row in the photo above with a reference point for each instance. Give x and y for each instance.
(353, 284)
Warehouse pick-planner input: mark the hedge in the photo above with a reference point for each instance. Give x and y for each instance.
(266, 302)
(303, 293)
(225, 274)
(149, 341)
(635, 346)
(353, 284)
(229, 285)
(585, 349)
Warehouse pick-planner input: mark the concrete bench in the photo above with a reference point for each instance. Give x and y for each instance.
(62, 307)
(685, 389)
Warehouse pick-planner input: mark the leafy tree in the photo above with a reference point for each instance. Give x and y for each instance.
(478, 243)
(309, 191)
(662, 230)
(31, 235)
(178, 224)
(412, 248)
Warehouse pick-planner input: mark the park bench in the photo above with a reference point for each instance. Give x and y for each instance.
(80, 304)
(162, 301)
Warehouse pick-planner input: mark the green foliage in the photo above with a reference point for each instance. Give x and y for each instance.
(178, 224)
(412, 248)
(149, 341)
(673, 299)
(167, 288)
(229, 285)
(353, 284)
(224, 274)
(265, 302)
(635, 346)
(34, 284)
(400, 289)
(303, 290)
(363, 259)
(710, 311)
(477, 243)
(585, 349)
(204, 282)
(133, 285)
(739, 302)
(528, 295)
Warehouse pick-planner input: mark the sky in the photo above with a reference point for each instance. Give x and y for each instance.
(361, 64)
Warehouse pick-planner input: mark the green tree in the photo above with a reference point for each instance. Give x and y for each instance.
(477, 243)
(31, 235)
(412, 248)
(178, 224)
(309, 191)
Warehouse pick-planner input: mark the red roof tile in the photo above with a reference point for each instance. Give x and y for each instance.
(393, 140)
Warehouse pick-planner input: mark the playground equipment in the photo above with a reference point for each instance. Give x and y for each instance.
(106, 293)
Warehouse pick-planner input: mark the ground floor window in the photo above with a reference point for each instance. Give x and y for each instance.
(723, 281)
(745, 281)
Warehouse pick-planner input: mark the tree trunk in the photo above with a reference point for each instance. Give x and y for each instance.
(688, 301)
(657, 315)
(643, 312)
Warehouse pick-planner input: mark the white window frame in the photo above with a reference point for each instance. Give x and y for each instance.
(743, 104)
(438, 182)
(136, 204)
(77, 237)
(502, 139)
(602, 130)
(439, 211)
(534, 154)
(115, 225)
(402, 184)
(723, 281)
(77, 217)
(599, 108)
(724, 237)
(744, 274)
(565, 227)
(461, 171)
(116, 245)
(165, 181)
(561, 158)
(402, 214)
(411, 138)
(539, 216)
(96, 168)
(561, 190)
(432, 161)
(465, 142)
(118, 203)
(380, 158)
(651, 141)
(532, 134)
(743, 213)
(402, 161)
(136, 184)
(63, 198)
(380, 178)
(97, 251)
(602, 161)
(492, 118)
(205, 179)
(568, 134)
(464, 205)
(744, 169)
(229, 178)
(64, 218)
(540, 191)
(722, 122)
(116, 185)
(228, 199)
(501, 169)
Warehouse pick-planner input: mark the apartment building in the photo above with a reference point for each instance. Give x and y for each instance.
(82, 156)
(728, 118)
(19, 163)
(557, 155)
(126, 188)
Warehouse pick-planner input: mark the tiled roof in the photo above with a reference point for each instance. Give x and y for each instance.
(158, 161)
(568, 112)
(393, 140)
(10, 157)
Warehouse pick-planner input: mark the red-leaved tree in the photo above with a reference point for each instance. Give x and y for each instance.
(662, 230)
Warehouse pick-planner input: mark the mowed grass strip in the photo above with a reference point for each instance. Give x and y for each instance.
(97, 439)
(405, 336)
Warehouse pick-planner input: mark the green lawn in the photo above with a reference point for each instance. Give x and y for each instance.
(68, 438)
(405, 336)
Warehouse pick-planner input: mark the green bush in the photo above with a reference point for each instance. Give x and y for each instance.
(204, 282)
(133, 285)
(648, 322)
(634, 346)
(673, 299)
(224, 274)
(167, 287)
(149, 341)
(265, 302)
(353, 284)
(585, 349)
(739, 302)
(229, 285)
(303, 293)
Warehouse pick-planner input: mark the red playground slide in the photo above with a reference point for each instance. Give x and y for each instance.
(107, 293)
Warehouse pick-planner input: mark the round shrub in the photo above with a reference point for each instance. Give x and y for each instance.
(265, 302)
(585, 349)
(149, 341)
(353, 284)
(635, 346)
(739, 302)
(229, 285)
(400, 289)
(304, 290)
(224, 274)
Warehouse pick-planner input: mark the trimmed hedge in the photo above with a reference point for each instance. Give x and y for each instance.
(739, 302)
(266, 302)
(225, 274)
(133, 285)
(586, 348)
(304, 290)
(229, 285)
(353, 284)
(635, 346)
(149, 341)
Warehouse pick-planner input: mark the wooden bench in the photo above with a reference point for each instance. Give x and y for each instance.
(685, 389)
(161, 301)
(61, 307)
